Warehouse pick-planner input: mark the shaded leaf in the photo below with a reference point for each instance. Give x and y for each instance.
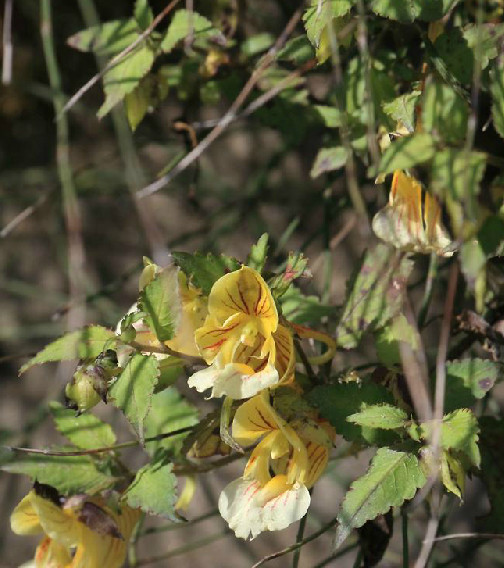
(339, 401)
(133, 389)
(85, 343)
(458, 57)
(169, 412)
(143, 14)
(383, 416)
(392, 478)
(154, 490)
(375, 296)
(320, 14)
(204, 270)
(468, 379)
(328, 160)
(298, 308)
(161, 303)
(406, 152)
(497, 91)
(67, 474)
(85, 431)
(106, 39)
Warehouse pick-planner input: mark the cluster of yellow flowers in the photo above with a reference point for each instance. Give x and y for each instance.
(249, 355)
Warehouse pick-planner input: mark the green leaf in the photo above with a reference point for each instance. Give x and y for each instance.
(154, 491)
(257, 43)
(298, 50)
(85, 431)
(320, 14)
(445, 113)
(488, 37)
(387, 340)
(457, 174)
(331, 116)
(459, 432)
(106, 39)
(375, 296)
(406, 152)
(204, 270)
(141, 99)
(133, 389)
(458, 57)
(402, 109)
(384, 416)
(491, 235)
(298, 308)
(467, 379)
(258, 253)
(125, 76)
(85, 343)
(410, 10)
(328, 160)
(183, 23)
(339, 401)
(67, 474)
(169, 412)
(161, 302)
(392, 478)
(143, 14)
(497, 91)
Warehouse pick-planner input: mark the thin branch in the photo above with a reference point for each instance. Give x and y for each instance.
(454, 536)
(130, 444)
(297, 545)
(336, 555)
(173, 527)
(7, 44)
(18, 219)
(117, 59)
(229, 116)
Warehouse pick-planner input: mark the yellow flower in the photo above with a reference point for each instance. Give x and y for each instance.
(68, 540)
(412, 219)
(297, 454)
(241, 339)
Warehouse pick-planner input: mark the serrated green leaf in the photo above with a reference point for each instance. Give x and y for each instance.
(444, 112)
(133, 389)
(402, 109)
(68, 474)
(298, 308)
(161, 303)
(154, 491)
(125, 76)
(106, 39)
(259, 253)
(85, 431)
(411, 10)
(497, 91)
(375, 296)
(328, 160)
(339, 401)
(183, 23)
(468, 379)
(84, 343)
(488, 37)
(321, 14)
(143, 14)
(204, 270)
(384, 416)
(454, 50)
(407, 152)
(169, 412)
(392, 478)
(459, 432)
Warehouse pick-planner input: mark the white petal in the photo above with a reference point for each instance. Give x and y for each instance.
(239, 508)
(233, 382)
(287, 508)
(204, 379)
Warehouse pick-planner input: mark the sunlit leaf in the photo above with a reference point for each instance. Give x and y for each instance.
(384, 416)
(410, 10)
(497, 91)
(133, 389)
(402, 109)
(407, 152)
(106, 39)
(328, 159)
(392, 478)
(84, 343)
(187, 22)
(85, 431)
(468, 379)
